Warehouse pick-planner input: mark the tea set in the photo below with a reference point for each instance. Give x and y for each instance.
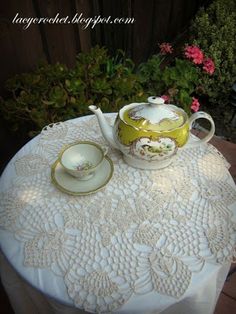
(149, 135)
(82, 168)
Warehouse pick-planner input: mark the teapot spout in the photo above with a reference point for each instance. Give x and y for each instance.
(106, 129)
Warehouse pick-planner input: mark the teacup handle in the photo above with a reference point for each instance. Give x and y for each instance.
(198, 115)
(105, 150)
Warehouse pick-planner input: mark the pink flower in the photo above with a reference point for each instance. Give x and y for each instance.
(165, 48)
(166, 98)
(194, 54)
(195, 104)
(208, 66)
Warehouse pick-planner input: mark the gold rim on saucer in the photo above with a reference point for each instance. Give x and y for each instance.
(63, 189)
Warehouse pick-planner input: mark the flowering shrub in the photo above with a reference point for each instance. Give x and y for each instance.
(165, 48)
(55, 93)
(165, 98)
(214, 31)
(177, 82)
(195, 105)
(209, 66)
(194, 54)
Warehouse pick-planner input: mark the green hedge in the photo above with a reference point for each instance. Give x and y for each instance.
(214, 30)
(54, 93)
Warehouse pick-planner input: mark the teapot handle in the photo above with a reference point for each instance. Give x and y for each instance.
(199, 115)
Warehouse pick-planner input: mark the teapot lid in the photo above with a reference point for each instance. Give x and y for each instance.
(155, 115)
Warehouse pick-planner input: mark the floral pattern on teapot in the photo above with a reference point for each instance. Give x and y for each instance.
(147, 149)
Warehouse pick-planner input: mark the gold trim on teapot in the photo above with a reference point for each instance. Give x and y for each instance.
(150, 134)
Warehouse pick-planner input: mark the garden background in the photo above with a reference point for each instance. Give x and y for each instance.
(129, 68)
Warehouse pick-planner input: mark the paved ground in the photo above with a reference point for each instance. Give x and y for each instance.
(227, 300)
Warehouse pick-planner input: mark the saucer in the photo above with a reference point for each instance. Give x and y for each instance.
(71, 185)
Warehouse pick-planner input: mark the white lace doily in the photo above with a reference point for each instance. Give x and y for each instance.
(145, 231)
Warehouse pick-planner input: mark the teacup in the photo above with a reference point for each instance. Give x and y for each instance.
(82, 159)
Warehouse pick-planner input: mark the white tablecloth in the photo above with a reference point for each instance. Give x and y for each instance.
(167, 251)
(26, 299)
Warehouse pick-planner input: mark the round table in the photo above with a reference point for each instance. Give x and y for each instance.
(148, 242)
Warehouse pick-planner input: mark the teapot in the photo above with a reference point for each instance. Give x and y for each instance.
(150, 134)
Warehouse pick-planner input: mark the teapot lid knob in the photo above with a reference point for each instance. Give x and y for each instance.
(153, 100)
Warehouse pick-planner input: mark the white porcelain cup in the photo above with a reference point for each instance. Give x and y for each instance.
(82, 159)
